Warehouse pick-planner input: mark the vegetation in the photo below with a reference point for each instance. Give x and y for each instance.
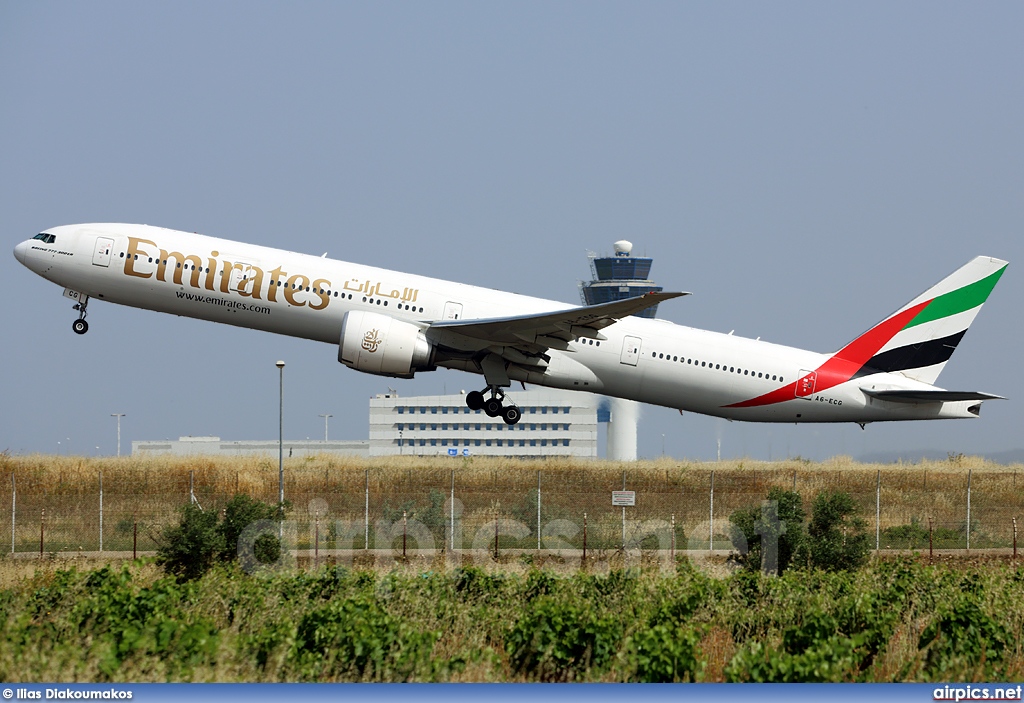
(190, 548)
(146, 492)
(773, 536)
(898, 620)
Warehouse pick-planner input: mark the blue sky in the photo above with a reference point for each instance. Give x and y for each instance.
(803, 168)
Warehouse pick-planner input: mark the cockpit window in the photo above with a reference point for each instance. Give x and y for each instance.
(47, 238)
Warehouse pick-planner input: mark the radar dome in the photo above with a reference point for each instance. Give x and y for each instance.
(623, 247)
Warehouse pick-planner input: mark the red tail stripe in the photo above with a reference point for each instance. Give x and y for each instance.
(842, 366)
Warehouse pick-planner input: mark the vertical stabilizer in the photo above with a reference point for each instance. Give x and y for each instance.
(918, 339)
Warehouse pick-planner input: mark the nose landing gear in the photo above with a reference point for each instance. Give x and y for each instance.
(493, 406)
(80, 326)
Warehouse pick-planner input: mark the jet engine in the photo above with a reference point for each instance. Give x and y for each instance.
(380, 344)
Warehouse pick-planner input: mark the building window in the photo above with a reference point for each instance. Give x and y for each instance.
(433, 442)
(565, 443)
(401, 410)
(533, 443)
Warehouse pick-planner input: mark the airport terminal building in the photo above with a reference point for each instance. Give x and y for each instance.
(555, 423)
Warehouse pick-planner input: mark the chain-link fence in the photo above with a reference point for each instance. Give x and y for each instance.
(463, 506)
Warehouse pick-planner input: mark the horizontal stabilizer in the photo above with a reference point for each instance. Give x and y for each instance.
(929, 396)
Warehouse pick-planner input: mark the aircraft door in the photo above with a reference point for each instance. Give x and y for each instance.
(452, 311)
(242, 278)
(630, 351)
(101, 253)
(805, 384)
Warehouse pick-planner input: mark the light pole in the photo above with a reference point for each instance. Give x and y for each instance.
(280, 447)
(325, 416)
(118, 416)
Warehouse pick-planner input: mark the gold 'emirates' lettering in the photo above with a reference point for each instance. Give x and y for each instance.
(178, 261)
(133, 254)
(275, 283)
(246, 280)
(321, 292)
(295, 284)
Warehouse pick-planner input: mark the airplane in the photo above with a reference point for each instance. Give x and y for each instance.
(397, 324)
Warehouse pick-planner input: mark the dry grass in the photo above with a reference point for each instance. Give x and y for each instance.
(148, 490)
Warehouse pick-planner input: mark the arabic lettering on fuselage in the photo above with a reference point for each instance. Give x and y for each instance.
(146, 259)
(372, 290)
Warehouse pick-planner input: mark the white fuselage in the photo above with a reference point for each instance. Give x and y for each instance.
(307, 296)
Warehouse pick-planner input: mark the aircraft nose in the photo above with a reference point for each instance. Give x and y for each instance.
(21, 251)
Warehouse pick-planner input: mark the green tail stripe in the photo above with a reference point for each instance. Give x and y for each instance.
(957, 301)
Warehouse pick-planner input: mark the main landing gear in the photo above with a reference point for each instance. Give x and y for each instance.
(493, 405)
(80, 326)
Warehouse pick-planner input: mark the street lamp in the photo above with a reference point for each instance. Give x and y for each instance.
(280, 446)
(325, 416)
(118, 416)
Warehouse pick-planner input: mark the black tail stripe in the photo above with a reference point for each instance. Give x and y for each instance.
(915, 356)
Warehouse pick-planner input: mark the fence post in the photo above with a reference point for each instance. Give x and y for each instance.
(584, 539)
(623, 517)
(878, 511)
(711, 520)
(366, 514)
(316, 543)
(191, 487)
(451, 529)
(101, 511)
(969, 472)
(1015, 539)
(673, 555)
(42, 521)
(538, 510)
(135, 537)
(931, 550)
(14, 509)
(495, 535)
(405, 530)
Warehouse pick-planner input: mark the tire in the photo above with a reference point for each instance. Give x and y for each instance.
(80, 326)
(511, 415)
(475, 400)
(493, 407)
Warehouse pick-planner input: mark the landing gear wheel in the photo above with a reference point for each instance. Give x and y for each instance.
(80, 326)
(475, 400)
(493, 407)
(510, 414)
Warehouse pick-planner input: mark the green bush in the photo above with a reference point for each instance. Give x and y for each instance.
(965, 643)
(781, 520)
(240, 512)
(836, 536)
(664, 653)
(561, 639)
(355, 639)
(187, 550)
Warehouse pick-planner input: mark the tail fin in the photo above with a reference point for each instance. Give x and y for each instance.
(918, 339)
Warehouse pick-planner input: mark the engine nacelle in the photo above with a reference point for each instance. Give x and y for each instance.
(380, 344)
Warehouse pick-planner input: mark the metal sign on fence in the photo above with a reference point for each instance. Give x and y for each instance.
(626, 499)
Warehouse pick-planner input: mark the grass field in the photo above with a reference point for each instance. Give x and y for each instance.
(62, 495)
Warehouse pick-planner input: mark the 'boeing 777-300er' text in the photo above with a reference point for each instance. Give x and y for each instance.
(395, 324)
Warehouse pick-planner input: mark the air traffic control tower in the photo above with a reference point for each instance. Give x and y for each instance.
(619, 277)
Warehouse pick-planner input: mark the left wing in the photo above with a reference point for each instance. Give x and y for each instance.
(537, 333)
